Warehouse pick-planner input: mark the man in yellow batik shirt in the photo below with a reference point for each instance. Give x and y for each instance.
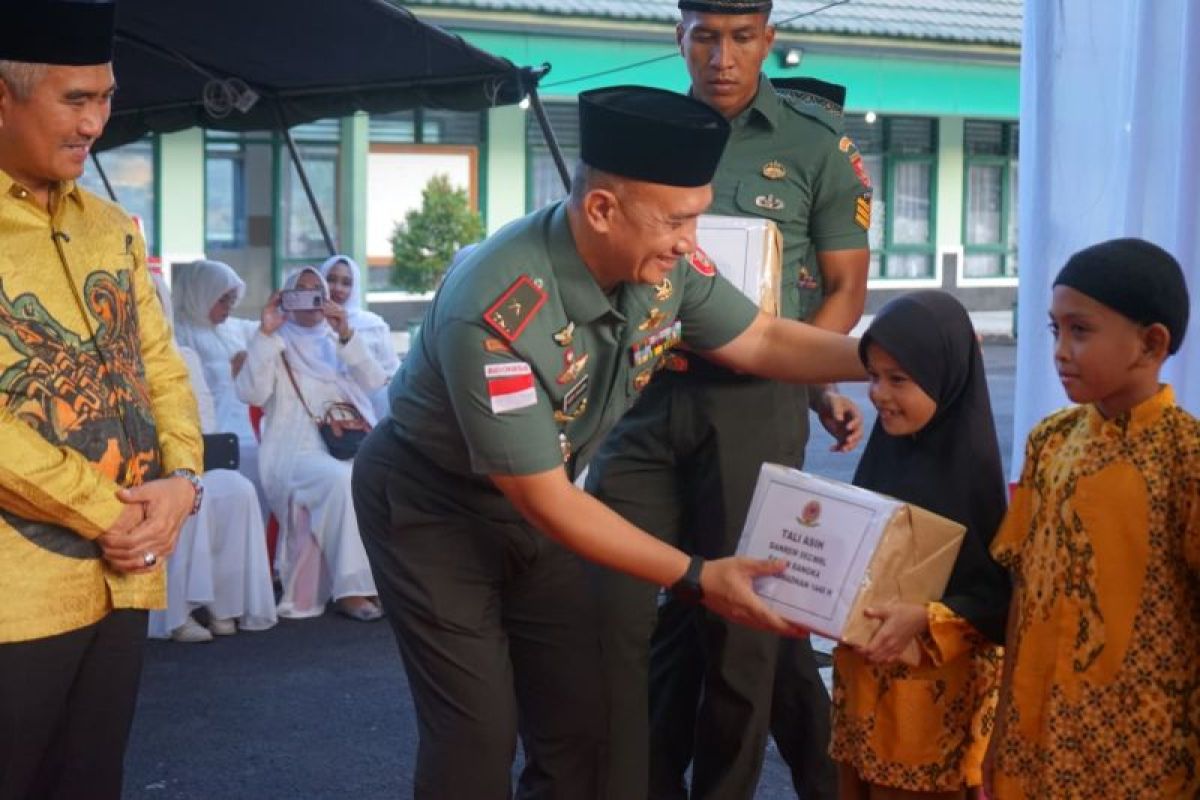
(99, 433)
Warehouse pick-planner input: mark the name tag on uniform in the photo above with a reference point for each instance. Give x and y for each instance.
(510, 386)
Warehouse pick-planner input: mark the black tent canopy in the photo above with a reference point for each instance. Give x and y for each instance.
(183, 63)
(242, 65)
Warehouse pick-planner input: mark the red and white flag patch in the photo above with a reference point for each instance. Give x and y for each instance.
(510, 386)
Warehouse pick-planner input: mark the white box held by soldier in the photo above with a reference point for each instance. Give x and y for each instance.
(749, 253)
(847, 549)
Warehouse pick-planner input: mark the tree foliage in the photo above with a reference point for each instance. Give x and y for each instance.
(425, 242)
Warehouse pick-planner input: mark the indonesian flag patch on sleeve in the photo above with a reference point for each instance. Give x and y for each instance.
(510, 386)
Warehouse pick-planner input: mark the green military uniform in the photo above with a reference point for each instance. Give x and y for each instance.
(522, 365)
(698, 436)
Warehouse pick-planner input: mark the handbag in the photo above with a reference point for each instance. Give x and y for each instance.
(343, 428)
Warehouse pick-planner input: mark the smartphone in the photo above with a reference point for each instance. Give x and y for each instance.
(301, 300)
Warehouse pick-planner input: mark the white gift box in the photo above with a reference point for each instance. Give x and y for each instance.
(749, 253)
(847, 549)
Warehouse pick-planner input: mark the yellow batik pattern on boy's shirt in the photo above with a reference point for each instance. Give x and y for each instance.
(924, 728)
(1102, 694)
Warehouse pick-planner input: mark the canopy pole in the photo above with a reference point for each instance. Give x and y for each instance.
(551, 141)
(312, 198)
(103, 177)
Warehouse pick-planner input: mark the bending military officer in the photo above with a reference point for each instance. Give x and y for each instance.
(533, 347)
(701, 432)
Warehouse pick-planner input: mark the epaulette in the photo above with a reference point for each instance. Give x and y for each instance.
(516, 308)
(817, 99)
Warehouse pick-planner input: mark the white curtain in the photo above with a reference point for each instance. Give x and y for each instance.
(1110, 146)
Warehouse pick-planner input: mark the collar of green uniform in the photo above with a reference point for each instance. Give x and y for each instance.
(582, 298)
(765, 105)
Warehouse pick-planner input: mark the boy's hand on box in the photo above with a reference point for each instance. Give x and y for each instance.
(902, 622)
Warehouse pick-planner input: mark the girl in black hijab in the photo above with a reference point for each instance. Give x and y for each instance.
(924, 730)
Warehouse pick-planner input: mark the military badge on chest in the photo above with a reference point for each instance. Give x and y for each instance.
(574, 402)
(656, 344)
(573, 366)
(774, 171)
(769, 202)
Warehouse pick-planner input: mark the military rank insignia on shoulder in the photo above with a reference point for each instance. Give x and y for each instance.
(516, 308)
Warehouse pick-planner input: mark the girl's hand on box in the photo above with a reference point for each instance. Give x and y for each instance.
(902, 622)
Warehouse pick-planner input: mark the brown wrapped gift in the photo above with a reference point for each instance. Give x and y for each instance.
(847, 549)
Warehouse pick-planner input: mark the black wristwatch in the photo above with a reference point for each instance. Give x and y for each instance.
(687, 589)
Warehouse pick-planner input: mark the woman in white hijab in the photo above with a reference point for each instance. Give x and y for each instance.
(204, 294)
(344, 278)
(320, 551)
(220, 561)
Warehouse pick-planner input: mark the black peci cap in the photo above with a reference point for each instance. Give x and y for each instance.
(726, 6)
(651, 135)
(1135, 278)
(63, 32)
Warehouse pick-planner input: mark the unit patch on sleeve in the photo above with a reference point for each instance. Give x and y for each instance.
(510, 386)
(509, 315)
(856, 160)
(702, 263)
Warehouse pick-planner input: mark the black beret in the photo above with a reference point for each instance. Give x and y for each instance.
(1135, 278)
(726, 6)
(651, 135)
(64, 32)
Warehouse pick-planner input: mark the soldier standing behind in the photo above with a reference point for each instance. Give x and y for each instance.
(700, 432)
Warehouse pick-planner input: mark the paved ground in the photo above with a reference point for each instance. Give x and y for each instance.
(320, 708)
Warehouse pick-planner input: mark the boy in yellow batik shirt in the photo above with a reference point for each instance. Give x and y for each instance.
(1100, 693)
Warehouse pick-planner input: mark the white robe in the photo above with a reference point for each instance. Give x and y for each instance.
(220, 559)
(308, 490)
(197, 288)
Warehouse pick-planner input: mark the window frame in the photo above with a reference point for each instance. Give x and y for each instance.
(239, 192)
(885, 185)
(1007, 250)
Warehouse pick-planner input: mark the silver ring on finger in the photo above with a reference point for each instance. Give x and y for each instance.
(149, 559)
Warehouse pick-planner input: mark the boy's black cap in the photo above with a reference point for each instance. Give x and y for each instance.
(75, 33)
(651, 135)
(1133, 277)
(726, 6)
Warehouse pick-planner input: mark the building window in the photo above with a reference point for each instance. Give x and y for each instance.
(427, 126)
(900, 155)
(302, 239)
(545, 185)
(990, 199)
(224, 195)
(130, 170)
(407, 149)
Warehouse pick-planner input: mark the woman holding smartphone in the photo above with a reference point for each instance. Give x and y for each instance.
(304, 358)
(344, 278)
